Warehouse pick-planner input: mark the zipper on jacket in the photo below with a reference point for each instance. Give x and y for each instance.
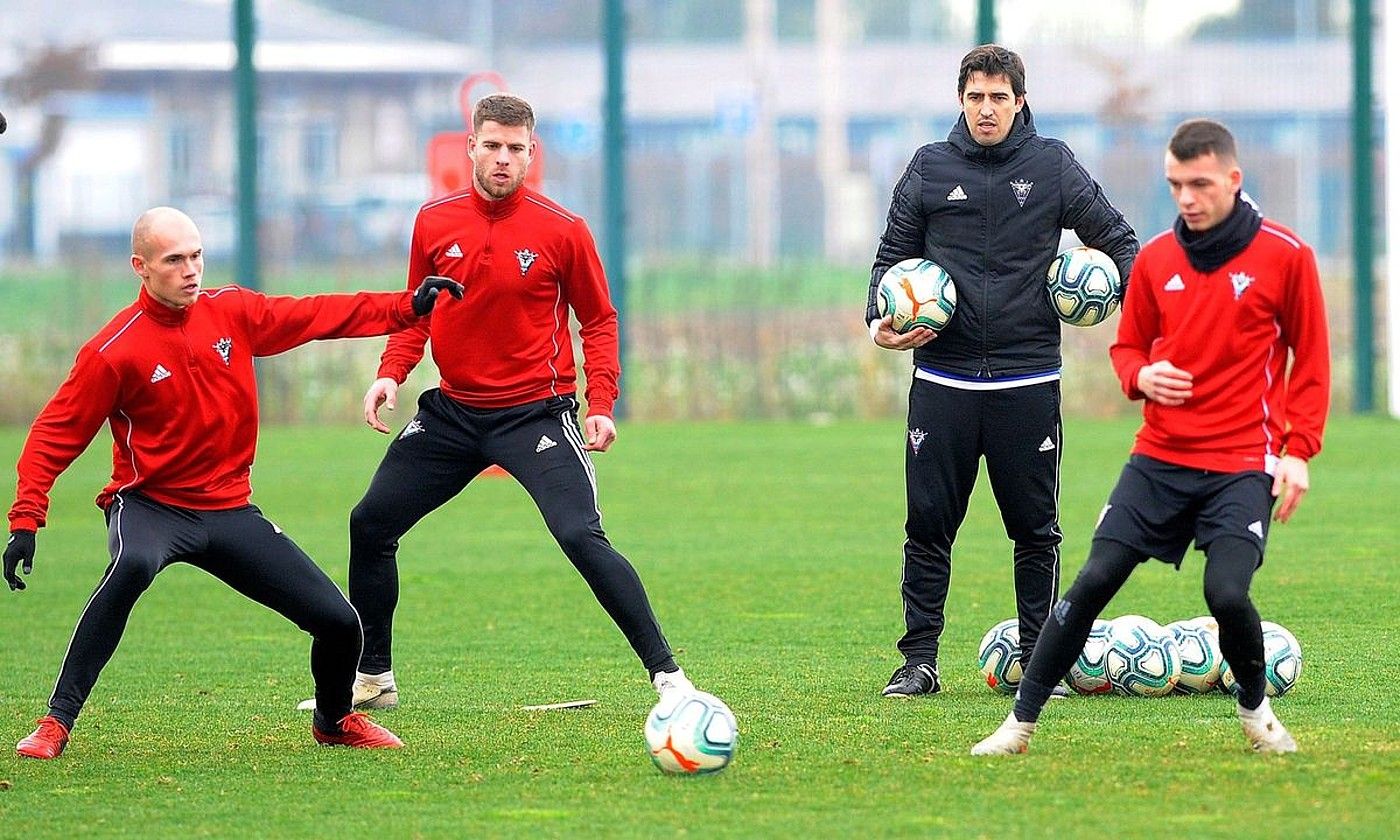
(987, 272)
(189, 348)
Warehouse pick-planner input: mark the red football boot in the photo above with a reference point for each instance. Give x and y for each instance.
(357, 730)
(45, 742)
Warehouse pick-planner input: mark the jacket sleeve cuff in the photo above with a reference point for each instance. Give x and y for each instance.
(600, 406)
(404, 309)
(25, 523)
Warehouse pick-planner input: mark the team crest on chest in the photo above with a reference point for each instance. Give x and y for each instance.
(1022, 188)
(527, 258)
(1240, 281)
(224, 347)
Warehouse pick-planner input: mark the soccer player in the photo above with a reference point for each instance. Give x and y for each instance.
(507, 394)
(1213, 311)
(988, 205)
(172, 376)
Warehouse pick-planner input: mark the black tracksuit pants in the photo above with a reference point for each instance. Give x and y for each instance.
(239, 547)
(442, 449)
(950, 430)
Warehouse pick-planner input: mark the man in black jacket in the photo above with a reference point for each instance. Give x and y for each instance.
(987, 205)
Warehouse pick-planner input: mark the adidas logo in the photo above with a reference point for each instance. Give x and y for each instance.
(545, 443)
(453, 250)
(1047, 445)
(957, 194)
(1175, 284)
(160, 373)
(1256, 528)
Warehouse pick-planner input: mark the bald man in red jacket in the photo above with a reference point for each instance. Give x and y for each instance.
(172, 376)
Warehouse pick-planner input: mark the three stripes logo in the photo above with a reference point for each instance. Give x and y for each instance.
(546, 442)
(454, 250)
(160, 373)
(957, 194)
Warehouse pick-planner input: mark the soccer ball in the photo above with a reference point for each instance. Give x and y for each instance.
(1283, 663)
(919, 293)
(1201, 661)
(1142, 658)
(691, 732)
(1089, 673)
(999, 656)
(1084, 286)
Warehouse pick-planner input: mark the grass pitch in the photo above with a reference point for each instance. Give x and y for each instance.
(771, 552)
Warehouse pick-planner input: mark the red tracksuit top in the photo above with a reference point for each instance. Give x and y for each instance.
(524, 261)
(177, 389)
(1232, 330)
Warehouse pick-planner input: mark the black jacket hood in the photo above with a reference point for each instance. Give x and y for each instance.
(1022, 129)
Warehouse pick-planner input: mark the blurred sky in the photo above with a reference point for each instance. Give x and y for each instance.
(1156, 21)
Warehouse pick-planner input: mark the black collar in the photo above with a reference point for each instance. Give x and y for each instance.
(1209, 249)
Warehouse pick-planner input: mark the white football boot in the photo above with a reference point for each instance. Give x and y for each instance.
(668, 681)
(371, 691)
(1265, 733)
(1011, 738)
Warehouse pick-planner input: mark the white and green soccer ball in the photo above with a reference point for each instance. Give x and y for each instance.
(999, 656)
(1084, 286)
(918, 293)
(1283, 663)
(691, 733)
(1089, 673)
(1198, 639)
(1142, 658)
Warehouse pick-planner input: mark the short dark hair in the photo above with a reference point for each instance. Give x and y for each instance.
(993, 60)
(1197, 137)
(503, 108)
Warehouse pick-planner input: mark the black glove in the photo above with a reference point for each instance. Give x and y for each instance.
(19, 549)
(426, 294)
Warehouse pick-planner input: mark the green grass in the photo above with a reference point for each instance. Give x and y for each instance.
(771, 552)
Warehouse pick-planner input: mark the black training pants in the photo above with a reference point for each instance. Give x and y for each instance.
(950, 430)
(240, 548)
(442, 449)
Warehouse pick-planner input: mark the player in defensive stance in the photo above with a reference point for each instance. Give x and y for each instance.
(1213, 309)
(507, 394)
(172, 375)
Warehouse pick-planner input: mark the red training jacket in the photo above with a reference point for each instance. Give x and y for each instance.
(524, 261)
(1232, 330)
(177, 389)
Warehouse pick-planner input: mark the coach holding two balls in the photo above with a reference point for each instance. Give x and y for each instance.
(988, 205)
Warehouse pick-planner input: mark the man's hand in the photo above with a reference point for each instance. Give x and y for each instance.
(426, 294)
(886, 337)
(599, 432)
(20, 549)
(1290, 483)
(1165, 383)
(383, 392)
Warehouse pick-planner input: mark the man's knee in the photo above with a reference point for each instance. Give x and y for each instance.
(335, 622)
(372, 523)
(582, 540)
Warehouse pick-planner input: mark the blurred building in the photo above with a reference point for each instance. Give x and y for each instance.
(114, 107)
(758, 130)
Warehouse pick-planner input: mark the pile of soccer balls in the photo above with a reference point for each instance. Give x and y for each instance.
(691, 733)
(1135, 656)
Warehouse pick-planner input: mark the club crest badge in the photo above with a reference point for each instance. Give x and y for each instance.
(1240, 281)
(527, 258)
(1022, 188)
(916, 439)
(224, 347)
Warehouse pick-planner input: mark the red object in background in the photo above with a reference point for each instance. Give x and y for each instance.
(449, 168)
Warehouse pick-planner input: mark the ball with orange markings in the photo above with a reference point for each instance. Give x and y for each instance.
(918, 293)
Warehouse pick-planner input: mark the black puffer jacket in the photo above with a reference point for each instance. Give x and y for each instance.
(992, 216)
